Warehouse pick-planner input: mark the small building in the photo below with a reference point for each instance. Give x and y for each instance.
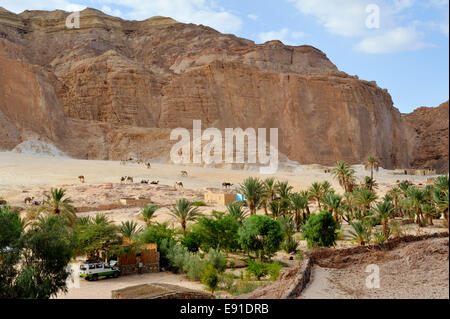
(220, 198)
(147, 257)
(159, 291)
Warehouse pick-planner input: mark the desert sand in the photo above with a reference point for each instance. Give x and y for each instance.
(29, 175)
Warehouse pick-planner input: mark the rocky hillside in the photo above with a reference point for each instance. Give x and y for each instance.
(431, 128)
(115, 88)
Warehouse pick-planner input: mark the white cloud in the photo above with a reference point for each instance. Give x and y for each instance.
(253, 17)
(22, 5)
(188, 11)
(283, 35)
(341, 17)
(111, 12)
(396, 40)
(397, 32)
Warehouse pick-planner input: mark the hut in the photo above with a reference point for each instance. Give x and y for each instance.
(144, 260)
(220, 198)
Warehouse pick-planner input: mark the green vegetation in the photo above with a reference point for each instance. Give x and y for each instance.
(261, 235)
(321, 230)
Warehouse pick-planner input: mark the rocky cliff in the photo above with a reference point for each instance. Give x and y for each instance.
(114, 88)
(430, 126)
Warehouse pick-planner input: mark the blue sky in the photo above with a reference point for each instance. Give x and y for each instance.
(403, 45)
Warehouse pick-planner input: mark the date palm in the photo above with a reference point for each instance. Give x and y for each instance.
(332, 203)
(316, 193)
(364, 198)
(283, 190)
(345, 176)
(396, 194)
(441, 200)
(130, 229)
(359, 232)
(415, 200)
(253, 190)
(148, 213)
(269, 192)
(184, 212)
(372, 163)
(299, 206)
(385, 209)
(236, 210)
(56, 204)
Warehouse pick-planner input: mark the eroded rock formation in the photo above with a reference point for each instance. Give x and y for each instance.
(113, 88)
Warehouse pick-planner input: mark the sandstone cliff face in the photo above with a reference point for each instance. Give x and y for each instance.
(430, 131)
(116, 87)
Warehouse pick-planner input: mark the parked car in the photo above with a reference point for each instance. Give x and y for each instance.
(93, 271)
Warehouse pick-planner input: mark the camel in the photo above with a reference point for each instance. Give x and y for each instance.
(155, 182)
(3, 202)
(28, 200)
(130, 179)
(144, 181)
(226, 185)
(81, 178)
(179, 185)
(148, 165)
(184, 173)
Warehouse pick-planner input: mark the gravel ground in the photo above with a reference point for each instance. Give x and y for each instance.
(418, 270)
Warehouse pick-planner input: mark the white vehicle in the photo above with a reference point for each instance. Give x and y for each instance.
(92, 271)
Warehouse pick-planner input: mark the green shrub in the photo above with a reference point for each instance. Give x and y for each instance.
(290, 245)
(217, 260)
(192, 241)
(195, 268)
(210, 277)
(199, 203)
(226, 281)
(262, 235)
(218, 231)
(178, 257)
(257, 269)
(243, 286)
(320, 230)
(274, 269)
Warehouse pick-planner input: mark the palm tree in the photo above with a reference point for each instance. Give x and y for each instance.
(363, 198)
(236, 210)
(269, 192)
(441, 183)
(253, 190)
(148, 213)
(332, 203)
(384, 210)
(441, 200)
(359, 232)
(283, 190)
(395, 193)
(56, 204)
(130, 229)
(345, 176)
(370, 183)
(316, 193)
(373, 164)
(299, 205)
(184, 212)
(415, 199)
